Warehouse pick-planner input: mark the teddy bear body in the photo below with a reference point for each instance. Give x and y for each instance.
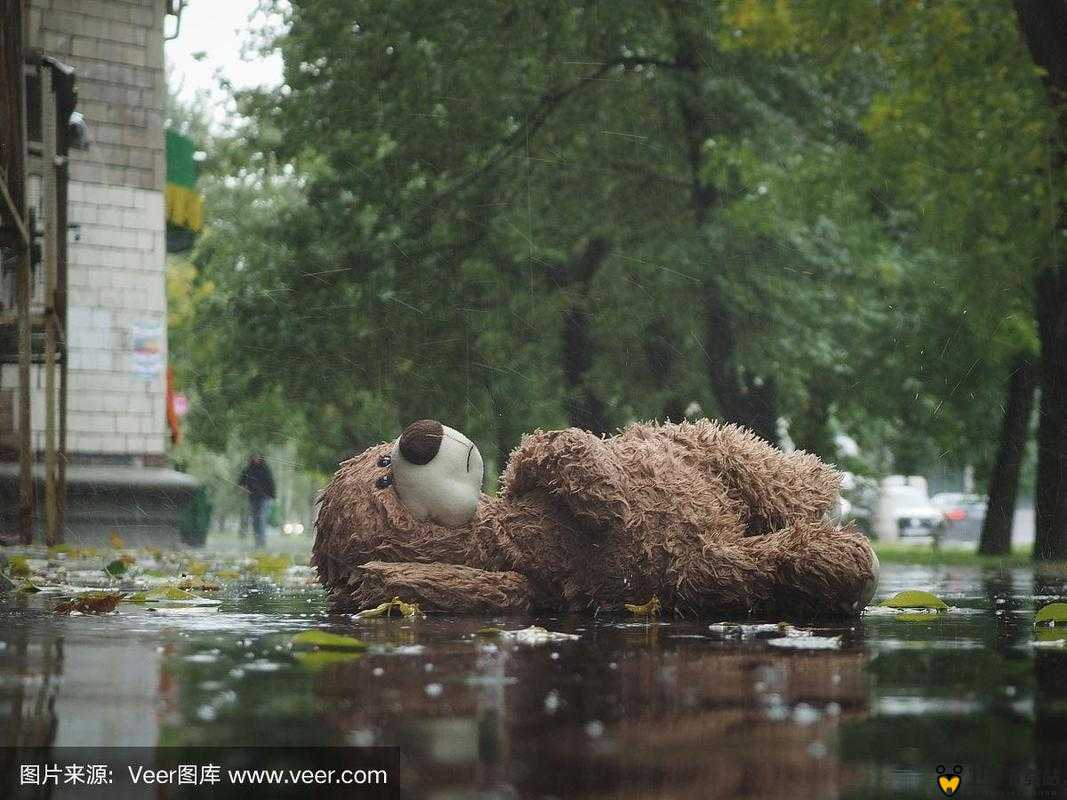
(705, 517)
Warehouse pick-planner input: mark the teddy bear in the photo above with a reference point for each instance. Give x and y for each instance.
(694, 518)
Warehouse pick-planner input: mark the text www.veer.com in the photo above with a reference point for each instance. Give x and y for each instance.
(308, 776)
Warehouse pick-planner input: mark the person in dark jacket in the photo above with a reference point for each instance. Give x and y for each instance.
(257, 480)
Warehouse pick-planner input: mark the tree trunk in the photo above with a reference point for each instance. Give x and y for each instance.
(811, 431)
(1044, 26)
(1004, 480)
(1050, 501)
(742, 397)
(584, 407)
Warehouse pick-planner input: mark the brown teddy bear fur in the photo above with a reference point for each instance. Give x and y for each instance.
(706, 517)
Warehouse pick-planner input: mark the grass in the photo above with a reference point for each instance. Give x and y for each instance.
(951, 556)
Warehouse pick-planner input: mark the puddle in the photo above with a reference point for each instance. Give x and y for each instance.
(636, 709)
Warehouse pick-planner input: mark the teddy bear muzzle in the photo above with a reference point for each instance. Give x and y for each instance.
(437, 473)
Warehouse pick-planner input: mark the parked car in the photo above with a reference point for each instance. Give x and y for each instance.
(964, 514)
(903, 512)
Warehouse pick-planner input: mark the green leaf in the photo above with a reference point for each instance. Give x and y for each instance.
(1052, 614)
(914, 598)
(323, 640)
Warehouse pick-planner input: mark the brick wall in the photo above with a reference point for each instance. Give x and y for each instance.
(116, 268)
(116, 46)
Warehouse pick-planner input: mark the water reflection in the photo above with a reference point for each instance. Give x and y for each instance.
(629, 710)
(659, 716)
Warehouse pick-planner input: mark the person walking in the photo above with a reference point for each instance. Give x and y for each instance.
(258, 481)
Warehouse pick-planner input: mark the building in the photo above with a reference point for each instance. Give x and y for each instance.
(114, 323)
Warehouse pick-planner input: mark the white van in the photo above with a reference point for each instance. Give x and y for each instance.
(903, 512)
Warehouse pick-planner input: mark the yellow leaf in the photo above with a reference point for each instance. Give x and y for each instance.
(649, 609)
(385, 609)
(158, 595)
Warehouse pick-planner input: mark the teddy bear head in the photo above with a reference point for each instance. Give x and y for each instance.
(413, 499)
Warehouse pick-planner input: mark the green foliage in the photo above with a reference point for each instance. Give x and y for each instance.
(395, 231)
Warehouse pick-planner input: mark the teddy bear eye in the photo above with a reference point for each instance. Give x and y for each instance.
(384, 481)
(384, 461)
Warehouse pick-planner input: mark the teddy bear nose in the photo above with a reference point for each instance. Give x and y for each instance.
(421, 441)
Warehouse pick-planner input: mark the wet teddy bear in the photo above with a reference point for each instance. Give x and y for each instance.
(706, 518)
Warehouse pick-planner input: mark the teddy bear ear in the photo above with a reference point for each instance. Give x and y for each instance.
(421, 441)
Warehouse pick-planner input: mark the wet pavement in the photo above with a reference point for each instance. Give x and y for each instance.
(628, 709)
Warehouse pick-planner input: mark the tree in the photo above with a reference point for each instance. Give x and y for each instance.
(1044, 26)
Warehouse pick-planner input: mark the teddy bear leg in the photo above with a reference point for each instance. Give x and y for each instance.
(436, 586)
(807, 569)
(577, 467)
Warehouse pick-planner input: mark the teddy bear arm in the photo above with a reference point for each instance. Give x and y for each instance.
(823, 568)
(436, 586)
(778, 488)
(575, 466)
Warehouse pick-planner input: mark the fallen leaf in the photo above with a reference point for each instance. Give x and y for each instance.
(649, 609)
(1050, 634)
(914, 598)
(199, 584)
(385, 609)
(161, 595)
(324, 640)
(90, 603)
(1052, 614)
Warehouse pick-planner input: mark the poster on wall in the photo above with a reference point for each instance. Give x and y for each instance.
(147, 341)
